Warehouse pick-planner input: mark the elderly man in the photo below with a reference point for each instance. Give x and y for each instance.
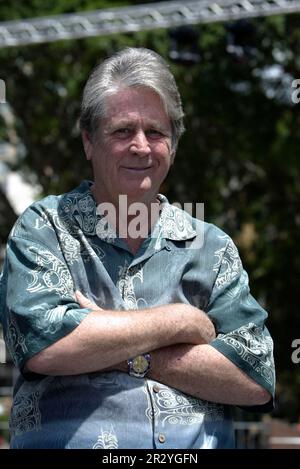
(127, 340)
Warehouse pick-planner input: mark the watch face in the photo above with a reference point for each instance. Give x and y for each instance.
(140, 364)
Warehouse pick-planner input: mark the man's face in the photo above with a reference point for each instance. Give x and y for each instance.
(131, 150)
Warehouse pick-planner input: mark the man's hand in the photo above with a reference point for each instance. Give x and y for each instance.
(85, 302)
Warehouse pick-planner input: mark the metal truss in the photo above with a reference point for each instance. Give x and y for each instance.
(137, 18)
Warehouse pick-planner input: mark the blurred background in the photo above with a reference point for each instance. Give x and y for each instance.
(235, 63)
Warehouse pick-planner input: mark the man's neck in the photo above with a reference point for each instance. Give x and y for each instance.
(133, 223)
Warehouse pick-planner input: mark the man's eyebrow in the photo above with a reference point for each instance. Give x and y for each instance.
(158, 126)
(120, 123)
(129, 123)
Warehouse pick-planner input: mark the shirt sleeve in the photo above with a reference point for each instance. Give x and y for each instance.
(240, 322)
(38, 305)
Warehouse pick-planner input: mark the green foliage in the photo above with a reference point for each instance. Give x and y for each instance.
(239, 155)
(20, 9)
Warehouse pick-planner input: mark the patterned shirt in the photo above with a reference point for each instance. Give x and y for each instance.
(62, 244)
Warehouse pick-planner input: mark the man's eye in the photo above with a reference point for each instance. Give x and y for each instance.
(122, 131)
(155, 133)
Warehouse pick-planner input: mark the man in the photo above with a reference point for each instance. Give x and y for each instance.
(127, 340)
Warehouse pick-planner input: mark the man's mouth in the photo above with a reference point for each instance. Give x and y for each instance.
(133, 168)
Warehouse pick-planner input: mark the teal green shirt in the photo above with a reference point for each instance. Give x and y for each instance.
(60, 244)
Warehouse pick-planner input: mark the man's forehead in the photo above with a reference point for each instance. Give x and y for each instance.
(141, 100)
(128, 95)
(132, 118)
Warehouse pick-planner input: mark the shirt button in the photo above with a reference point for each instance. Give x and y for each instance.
(156, 388)
(161, 438)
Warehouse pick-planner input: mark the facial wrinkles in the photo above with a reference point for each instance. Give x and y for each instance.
(132, 112)
(118, 109)
(117, 160)
(133, 121)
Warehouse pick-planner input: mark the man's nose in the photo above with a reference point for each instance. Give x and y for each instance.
(140, 144)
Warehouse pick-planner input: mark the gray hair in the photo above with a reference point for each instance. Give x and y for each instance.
(131, 67)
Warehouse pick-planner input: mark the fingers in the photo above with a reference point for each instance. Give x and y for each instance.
(84, 301)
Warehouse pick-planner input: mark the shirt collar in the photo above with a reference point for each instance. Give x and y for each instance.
(174, 223)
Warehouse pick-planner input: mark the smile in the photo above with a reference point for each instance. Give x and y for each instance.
(137, 169)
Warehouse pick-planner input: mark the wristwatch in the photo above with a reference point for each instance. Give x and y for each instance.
(139, 366)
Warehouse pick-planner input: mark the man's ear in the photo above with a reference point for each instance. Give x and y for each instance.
(87, 144)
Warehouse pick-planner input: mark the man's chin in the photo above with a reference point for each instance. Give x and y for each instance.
(136, 188)
(139, 194)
